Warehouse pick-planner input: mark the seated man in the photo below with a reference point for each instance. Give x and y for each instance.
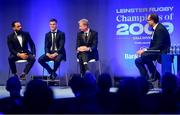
(18, 42)
(86, 45)
(54, 49)
(160, 41)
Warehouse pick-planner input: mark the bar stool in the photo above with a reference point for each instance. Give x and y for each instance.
(23, 82)
(93, 61)
(17, 62)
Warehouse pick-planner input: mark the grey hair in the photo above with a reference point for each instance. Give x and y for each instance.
(84, 21)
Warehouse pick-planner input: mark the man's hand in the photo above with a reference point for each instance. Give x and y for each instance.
(52, 56)
(140, 52)
(83, 49)
(23, 56)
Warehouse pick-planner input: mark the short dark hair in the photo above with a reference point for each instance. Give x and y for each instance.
(13, 23)
(53, 20)
(154, 17)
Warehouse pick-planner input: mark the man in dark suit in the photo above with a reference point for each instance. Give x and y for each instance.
(160, 41)
(54, 49)
(18, 42)
(86, 46)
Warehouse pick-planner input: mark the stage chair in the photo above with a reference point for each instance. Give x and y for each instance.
(92, 61)
(155, 61)
(18, 62)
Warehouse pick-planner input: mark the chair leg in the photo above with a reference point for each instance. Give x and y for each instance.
(59, 75)
(66, 76)
(99, 64)
(43, 77)
(43, 73)
(9, 73)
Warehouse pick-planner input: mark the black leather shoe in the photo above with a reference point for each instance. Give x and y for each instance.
(23, 77)
(53, 76)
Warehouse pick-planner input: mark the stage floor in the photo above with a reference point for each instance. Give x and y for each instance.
(59, 92)
(62, 91)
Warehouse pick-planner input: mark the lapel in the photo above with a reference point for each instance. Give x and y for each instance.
(83, 36)
(57, 38)
(23, 39)
(89, 35)
(16, 39)
(155, 32)
(50, 37)
(57, 35)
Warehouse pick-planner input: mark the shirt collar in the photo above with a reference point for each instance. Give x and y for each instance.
(155, 26)
(15, 33)
(54, 31)
(87, 31)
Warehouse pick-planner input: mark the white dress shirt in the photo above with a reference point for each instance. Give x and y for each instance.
(19, 37)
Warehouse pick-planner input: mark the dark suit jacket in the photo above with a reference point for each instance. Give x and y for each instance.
(161, 39)
(15, 47)
(92, 43)
(60, 41)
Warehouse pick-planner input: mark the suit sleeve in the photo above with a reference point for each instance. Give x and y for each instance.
(95, 42)
(46, 47)
(61, 43)
(31, 44)
(78, 41)
(10, 46)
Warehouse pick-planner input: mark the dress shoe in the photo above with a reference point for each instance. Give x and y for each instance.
(53, 76)
(23, 77)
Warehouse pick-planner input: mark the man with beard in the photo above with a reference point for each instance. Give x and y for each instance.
(18, 42)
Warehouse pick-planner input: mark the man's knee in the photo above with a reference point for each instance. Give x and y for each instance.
(40, 60)
(138, 61)
(57, 60)
(11, 58)
(32, 58)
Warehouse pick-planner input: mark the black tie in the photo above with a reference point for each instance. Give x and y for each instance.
(86, 37)
(54, 42)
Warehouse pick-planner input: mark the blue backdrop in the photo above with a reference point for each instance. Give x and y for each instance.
(121, 26)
